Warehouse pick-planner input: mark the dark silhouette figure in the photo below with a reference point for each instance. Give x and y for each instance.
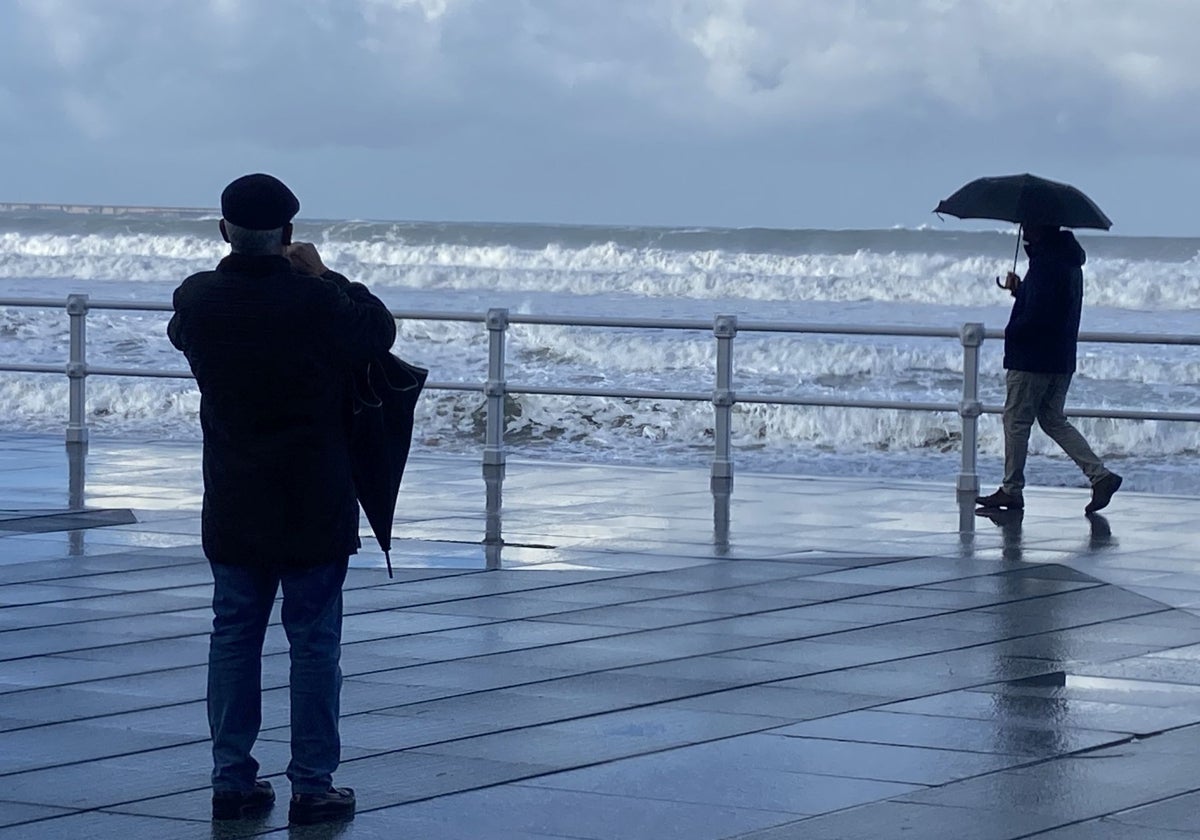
(273, 338)
(1039, 356)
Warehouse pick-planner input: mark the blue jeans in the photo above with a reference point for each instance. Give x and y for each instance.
(312, 618)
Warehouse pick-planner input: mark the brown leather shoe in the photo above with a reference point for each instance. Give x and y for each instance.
(334, 805)
(236, 805)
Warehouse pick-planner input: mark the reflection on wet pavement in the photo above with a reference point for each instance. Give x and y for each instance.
(576, 650)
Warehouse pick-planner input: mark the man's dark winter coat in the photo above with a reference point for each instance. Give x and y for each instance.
(1043, 328)
(274, 352)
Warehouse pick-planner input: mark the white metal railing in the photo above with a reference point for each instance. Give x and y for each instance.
(723, 396)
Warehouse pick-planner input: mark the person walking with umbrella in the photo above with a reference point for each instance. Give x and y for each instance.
(1043, 328)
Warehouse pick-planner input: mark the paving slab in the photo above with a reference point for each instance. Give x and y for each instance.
(830, 666)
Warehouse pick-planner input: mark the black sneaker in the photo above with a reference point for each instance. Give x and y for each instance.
(334, 805)
(1000, 499)
(1102, 492)
(235, 805)
(1005, 519)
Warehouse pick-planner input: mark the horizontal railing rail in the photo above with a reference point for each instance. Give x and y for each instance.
(723, 396)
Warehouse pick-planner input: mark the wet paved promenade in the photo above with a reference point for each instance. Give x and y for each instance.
(846, 664)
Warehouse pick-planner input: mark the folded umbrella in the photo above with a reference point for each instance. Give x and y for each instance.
(385, 399)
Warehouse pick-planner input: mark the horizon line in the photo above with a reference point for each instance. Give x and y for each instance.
(79, 208)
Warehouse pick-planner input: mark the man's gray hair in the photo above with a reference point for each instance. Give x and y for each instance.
(254, 243)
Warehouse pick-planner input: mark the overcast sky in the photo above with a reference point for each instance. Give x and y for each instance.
(780, 113)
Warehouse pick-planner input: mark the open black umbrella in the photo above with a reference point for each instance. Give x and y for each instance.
(1027, 200)
(384, 401)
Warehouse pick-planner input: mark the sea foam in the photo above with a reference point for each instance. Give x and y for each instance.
(918, 278)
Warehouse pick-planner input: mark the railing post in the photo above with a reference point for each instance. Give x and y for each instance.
(77, 308)
(723, 398)
(971, 335)
(495, 391)
(496, 388)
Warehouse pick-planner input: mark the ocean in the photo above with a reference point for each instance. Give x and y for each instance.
(937, 276)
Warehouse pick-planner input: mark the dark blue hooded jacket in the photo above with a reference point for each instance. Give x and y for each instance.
(1043, 328)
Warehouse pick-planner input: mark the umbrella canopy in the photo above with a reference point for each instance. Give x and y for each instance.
(384, 401)
(1027, 200)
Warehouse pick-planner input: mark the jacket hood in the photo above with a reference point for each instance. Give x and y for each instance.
(1060, 245)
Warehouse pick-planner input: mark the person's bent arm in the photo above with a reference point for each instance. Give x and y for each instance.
(1046, 305)
(175, 325)
(359, 319)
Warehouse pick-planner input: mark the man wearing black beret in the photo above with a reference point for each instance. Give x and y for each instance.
(273, 338)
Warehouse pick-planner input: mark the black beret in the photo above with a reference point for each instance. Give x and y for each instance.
(259, 202)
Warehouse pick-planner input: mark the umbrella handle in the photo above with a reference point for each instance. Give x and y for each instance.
(1016, 256)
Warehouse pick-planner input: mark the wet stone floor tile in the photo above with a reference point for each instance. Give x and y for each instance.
(843, 669)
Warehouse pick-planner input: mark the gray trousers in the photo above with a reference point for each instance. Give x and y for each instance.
(1041, 397)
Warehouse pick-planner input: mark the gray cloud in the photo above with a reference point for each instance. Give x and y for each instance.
(610, 93)
(331, 71)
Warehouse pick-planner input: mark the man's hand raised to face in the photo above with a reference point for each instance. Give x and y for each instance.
(305, 259)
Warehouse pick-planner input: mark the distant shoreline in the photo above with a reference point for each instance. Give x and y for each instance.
(967, 229)
(102, 209)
